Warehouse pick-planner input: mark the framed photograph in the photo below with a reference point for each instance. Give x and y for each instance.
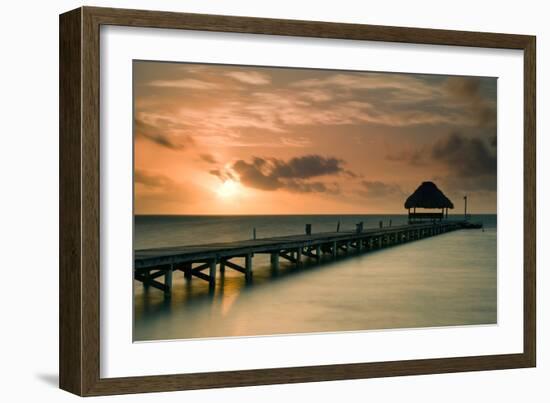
(249, 201)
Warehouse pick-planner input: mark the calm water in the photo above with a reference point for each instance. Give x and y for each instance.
(446, 280)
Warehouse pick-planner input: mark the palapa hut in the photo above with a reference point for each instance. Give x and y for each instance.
(428, 196)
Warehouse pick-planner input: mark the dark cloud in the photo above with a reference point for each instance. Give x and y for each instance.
(164, 133)
(301, 186)
(464, 87)
(150, 180)
(470, 162)
(468, 90)
(465, 156)
(223, 175)
(257, 174)
(208, 158)
(307, 166)
(377, 189)
(293, 175)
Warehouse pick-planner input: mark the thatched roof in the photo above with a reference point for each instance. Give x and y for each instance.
(427, 195)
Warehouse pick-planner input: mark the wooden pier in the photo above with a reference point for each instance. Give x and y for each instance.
(203, 261)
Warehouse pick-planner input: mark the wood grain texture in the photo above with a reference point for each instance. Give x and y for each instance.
(70, 271)
(530, 203)
(79, 200)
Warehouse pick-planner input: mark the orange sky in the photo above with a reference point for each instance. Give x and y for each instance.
(216, 139)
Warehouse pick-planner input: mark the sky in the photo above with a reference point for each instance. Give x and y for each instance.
(223, 139)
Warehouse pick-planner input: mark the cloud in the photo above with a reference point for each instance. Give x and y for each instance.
(151, 180)
(298, 141)
(152, 187)
(413, 156)
(377, 189)
(307, 166)
(465, 156)
(257, 174)
(153, 190)
(300, 186)
(164, 133)
(187, 83)
(317, 95)
(463, 87)
(209, 158)
(253, 100)
(468, 91)
(223, 174)
(397, 87)
(462, 163)
(249, 77)
(293, 175)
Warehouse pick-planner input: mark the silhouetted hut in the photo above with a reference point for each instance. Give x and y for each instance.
(428, 196)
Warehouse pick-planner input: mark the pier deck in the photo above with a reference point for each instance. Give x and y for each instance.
(198, 260)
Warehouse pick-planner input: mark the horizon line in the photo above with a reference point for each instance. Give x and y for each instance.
(295, 214)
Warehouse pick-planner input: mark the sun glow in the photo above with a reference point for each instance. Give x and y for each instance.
(228, 189)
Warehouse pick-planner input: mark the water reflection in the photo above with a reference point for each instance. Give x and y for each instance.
(444, 280)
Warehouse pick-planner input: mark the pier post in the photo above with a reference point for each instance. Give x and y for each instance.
(168, 281)
(334, 249)
(222, 266)
(298, 257)
(187, 270)
(275, 261)
(147, 276)
(248, 267)
(318, 253)
(212, 272)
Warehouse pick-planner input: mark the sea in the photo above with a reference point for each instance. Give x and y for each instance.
(446, 280)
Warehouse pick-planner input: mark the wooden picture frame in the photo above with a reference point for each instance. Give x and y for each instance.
(79, 201)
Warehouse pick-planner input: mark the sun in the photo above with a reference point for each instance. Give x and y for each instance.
(228, 189)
